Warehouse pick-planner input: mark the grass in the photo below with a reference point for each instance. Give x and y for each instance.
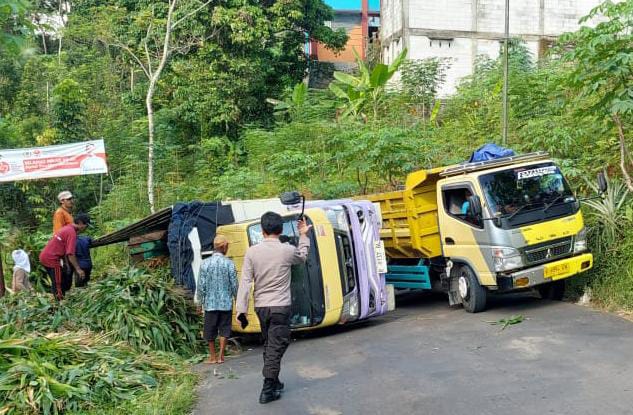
(174, 395)
(613, 286)
(611, 279)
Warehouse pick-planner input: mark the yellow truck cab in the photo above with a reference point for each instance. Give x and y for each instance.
(493, 226)
(342, 281)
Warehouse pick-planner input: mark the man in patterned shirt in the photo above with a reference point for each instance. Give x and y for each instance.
(217, 287)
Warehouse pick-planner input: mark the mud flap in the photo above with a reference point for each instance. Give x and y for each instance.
(453, 293)
(453, 288)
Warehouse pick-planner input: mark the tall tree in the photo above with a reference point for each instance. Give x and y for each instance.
(222, 44)
(14, 26)
(602, 71)
(169, 28)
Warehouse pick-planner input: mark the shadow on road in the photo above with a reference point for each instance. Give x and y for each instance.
(418, 304)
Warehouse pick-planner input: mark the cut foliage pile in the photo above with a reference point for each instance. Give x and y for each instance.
(58, 372)
(144, 311)
(101, 345)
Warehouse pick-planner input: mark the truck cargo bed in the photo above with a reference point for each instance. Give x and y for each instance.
(409, 217)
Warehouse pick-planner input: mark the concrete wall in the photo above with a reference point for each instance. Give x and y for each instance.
(352, 25)
(390, 17)
(475, 27)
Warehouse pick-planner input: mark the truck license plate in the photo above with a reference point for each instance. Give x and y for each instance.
(555, 271)
(381, 258)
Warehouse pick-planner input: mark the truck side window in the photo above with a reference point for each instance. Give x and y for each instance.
(456, 205)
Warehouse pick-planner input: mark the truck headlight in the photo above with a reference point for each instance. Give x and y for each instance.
(505, 258)
(350, 308)
(580, 241)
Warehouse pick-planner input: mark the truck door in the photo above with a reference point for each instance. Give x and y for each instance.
(463, 236)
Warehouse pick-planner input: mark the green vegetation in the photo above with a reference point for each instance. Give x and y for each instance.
(504, 323)
(110, 347)
(229, 117)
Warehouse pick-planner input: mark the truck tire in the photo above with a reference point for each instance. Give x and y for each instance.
(472, 294)
(552, 290)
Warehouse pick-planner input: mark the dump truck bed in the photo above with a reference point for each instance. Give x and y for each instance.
(409, 217)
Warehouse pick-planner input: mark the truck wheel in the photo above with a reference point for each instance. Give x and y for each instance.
(552, 291)
(473, 295)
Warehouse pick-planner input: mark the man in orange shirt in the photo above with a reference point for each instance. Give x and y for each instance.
(63, 216)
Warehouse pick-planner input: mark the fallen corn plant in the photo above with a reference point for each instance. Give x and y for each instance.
(101, 346)
(505, 322)
(144, 310)
(54, 373)
(33, 311)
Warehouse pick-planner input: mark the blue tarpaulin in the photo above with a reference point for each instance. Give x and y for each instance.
(185, 216)
(490, 152)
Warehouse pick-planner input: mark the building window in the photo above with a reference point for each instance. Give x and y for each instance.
(440, 42)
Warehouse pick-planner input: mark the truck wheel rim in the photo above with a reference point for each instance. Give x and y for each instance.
(462, 285)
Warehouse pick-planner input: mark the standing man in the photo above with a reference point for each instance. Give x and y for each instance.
(267, 265)
(63, 215)
(82, 253)
(62, 247)
(217, 287)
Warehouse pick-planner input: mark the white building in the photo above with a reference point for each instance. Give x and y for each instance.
(463, 29)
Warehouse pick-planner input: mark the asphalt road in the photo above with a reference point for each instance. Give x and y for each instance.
(427, 358)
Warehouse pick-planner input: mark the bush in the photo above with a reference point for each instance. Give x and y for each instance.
(612, 278)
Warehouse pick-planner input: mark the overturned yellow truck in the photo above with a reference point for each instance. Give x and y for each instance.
(500, 225)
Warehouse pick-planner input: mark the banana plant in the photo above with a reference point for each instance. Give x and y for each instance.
(293, 104)
(364, 92)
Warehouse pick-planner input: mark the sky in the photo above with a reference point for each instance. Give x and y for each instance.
(374, 5)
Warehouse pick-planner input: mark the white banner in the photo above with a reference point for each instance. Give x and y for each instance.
(62, 160)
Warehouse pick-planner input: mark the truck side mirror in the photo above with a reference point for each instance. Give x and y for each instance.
(293, 198)
(474, 206)
(290, 198)
(602, 182)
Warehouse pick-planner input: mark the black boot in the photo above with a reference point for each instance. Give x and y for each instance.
(279, 386)
(269, 391)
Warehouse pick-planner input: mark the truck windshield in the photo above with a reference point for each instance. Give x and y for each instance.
(528, 194)
(306, 282)
(337, 215)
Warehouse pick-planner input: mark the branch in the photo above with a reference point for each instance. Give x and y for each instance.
(149, 59)
(188, 15)
(166, 45)
(623, 152)
(133, 55)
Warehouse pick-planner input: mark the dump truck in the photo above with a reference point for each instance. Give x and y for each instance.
(342, 281)
(493, 226)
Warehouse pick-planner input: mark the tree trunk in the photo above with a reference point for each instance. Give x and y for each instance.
(150, 145)
(44, 49)
(59, 46)
(2, 287)
(48, 98)
(148, 103)
(624, 153)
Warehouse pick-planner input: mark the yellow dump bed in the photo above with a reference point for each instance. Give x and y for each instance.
(409, 217)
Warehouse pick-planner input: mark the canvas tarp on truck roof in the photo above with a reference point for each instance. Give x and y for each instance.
(190, 230)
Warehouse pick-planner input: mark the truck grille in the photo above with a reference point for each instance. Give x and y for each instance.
(547, 251)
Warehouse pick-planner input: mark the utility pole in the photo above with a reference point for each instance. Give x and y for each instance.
(504, 133)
